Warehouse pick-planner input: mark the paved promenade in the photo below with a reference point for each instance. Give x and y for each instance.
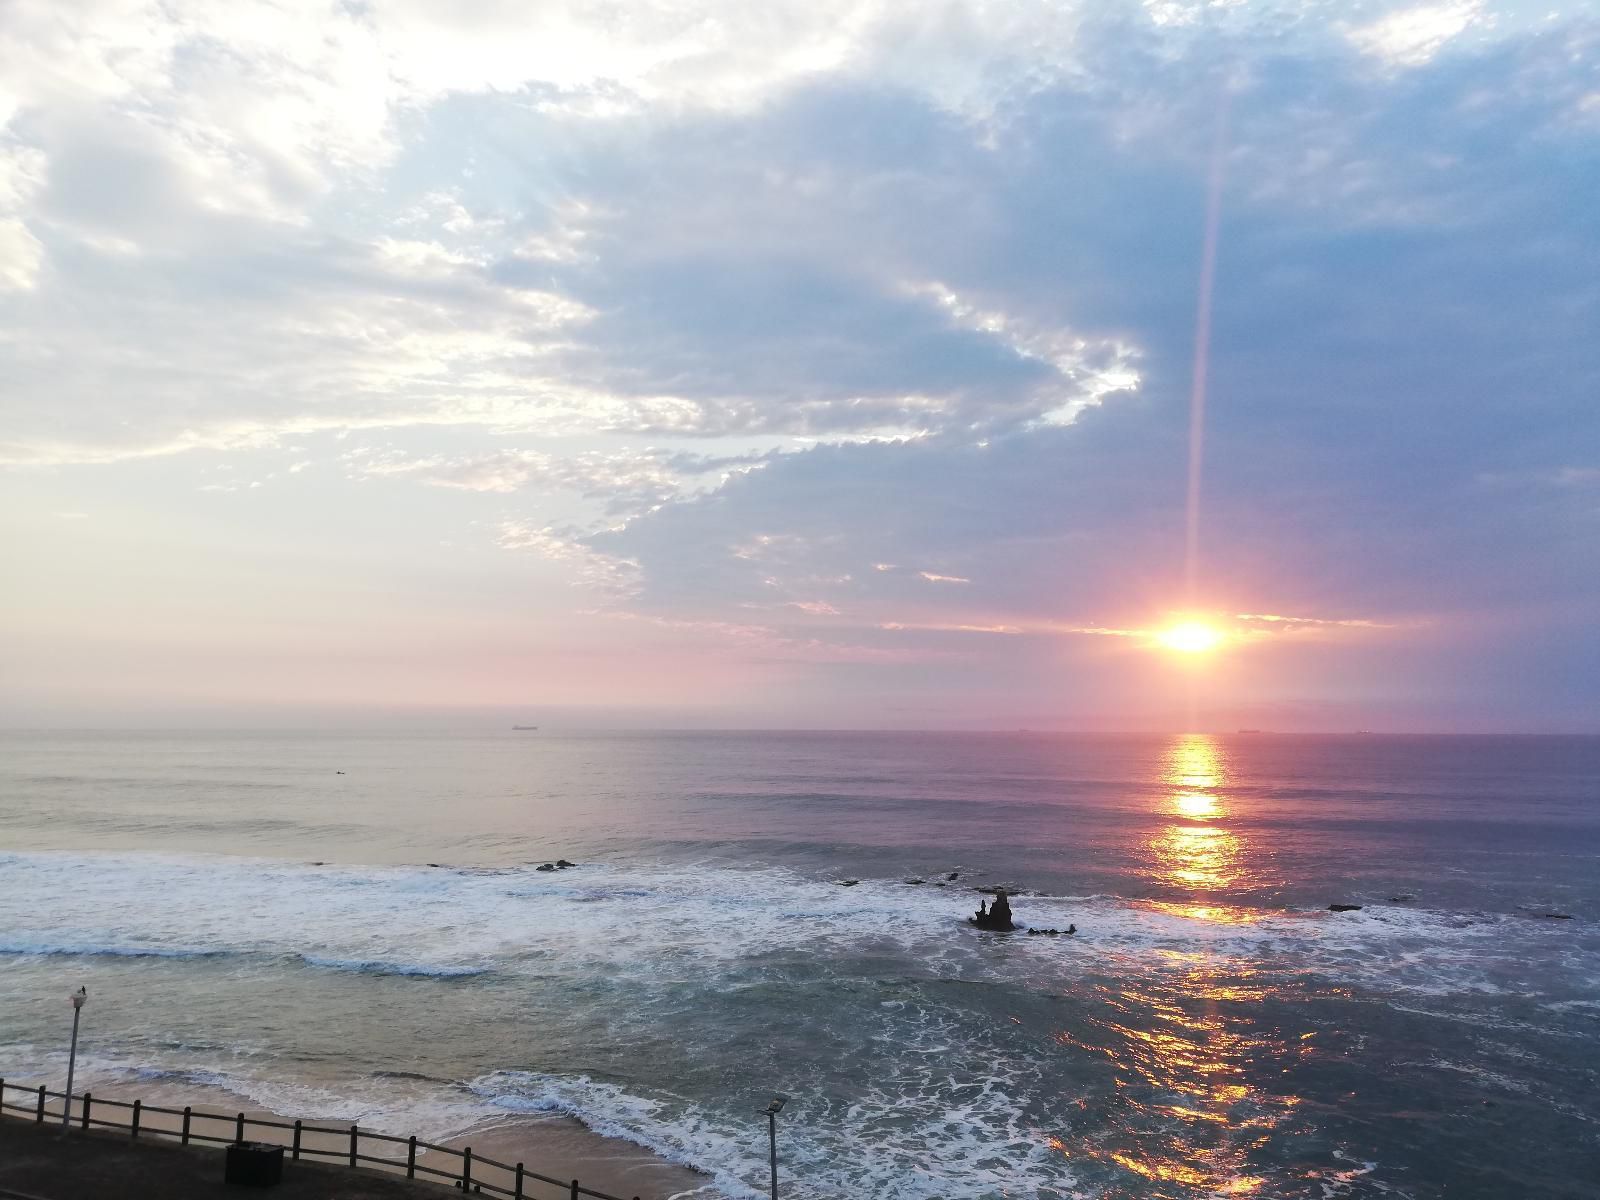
(40, 1162)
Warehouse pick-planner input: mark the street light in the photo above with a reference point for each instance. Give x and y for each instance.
(774, 1107)
(77, 998)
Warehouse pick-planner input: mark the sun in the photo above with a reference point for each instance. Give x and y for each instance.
(1190, 637)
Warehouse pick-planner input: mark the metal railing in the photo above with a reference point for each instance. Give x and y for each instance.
(470, 1172)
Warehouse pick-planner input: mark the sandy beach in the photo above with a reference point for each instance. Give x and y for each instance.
(554, 1146)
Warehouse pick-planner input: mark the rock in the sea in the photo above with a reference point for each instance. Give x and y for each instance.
(913, 881)
(848, 882)
(1556, 916)
(545, 867)
(1401, 898)
(1344, 908)
(953, 875)
(562, 864)
(996, 916)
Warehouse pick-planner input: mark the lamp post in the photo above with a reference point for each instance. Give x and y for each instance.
(77, 998)
(774, 1107)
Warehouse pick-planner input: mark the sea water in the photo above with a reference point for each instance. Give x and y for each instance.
(354, 927)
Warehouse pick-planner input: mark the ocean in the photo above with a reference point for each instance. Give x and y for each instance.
(353, 926)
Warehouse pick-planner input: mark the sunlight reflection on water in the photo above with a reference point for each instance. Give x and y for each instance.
(1187, 1043)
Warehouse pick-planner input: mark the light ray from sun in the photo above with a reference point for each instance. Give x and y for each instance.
(1202, 347)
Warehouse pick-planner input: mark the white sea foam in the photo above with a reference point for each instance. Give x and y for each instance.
(446, 924)
(951, 1113)
(912, 1141)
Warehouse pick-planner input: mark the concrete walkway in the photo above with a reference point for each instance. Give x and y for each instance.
(41, 1162)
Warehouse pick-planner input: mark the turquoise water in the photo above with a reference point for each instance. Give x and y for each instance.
(246, 915)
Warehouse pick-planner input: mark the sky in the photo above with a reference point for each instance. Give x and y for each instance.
(824, 364)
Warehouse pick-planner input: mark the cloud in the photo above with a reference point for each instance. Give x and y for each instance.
(807, 309)
(607, 574)
(624, 482)
(1412, 36)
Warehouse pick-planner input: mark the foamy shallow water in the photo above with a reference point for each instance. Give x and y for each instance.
(1211, 1027)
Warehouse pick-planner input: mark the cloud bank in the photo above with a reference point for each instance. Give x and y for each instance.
(846, 345)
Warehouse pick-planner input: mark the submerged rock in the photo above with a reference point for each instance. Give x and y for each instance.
(1344, 908)
(545, 867)
(1401, 898)
(913, 881)
(953, 875)
(848, 882)
(996, 916)
(562, 864)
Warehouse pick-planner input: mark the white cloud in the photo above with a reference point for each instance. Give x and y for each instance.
(610, 575)
(625, 480)
(1413, 36)
(21, 256)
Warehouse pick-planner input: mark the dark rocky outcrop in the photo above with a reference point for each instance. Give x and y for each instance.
(954, 875)
(1069, 931)
(1401, 898)
(848, 882)
(995, 916)
(562, 864)
(1344, 908)
(545, 867)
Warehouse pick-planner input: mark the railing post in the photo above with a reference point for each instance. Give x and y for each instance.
(88, 1099)
(238, 1129)
(186, 1124)
(466, 1169)
(574, 1189)
(353, 1136)
(411, 1158)
(136, 1104)
(295, 1150)
(517, 1195)
(41, 1104)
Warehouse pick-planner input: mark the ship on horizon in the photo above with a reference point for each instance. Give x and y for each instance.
(523, 728)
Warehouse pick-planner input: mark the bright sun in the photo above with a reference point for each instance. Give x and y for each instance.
(1190, 637)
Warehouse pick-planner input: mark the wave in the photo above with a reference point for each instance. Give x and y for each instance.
(91, 950)
(374, 966)
(363, 966)
(643, 922)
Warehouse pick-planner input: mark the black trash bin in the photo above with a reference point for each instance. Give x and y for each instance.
(254, 1164)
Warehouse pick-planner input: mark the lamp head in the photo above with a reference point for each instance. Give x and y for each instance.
(78, 997)
(775, 1105)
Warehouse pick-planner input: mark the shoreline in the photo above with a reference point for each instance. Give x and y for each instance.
(557, 1146)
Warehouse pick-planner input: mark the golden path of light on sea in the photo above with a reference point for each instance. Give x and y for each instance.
(1188, 1043)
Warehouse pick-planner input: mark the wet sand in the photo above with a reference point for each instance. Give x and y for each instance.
(557, 1147)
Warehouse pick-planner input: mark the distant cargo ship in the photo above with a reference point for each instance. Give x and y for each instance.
(523, 728)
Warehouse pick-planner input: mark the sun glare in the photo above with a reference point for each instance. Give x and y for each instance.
(1190, 637)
